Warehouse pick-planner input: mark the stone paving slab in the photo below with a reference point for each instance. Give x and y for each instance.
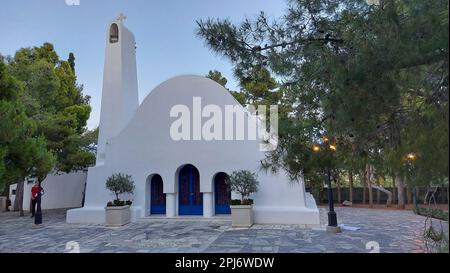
(393, 230)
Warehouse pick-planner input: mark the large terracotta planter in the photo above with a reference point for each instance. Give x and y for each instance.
(242, 216)
(117, 216)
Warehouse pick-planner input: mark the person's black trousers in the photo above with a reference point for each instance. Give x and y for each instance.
(38, 215)
(33, 207)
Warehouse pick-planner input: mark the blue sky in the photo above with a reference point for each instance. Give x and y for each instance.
(164, 31)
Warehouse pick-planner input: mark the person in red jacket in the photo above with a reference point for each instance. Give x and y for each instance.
(35, 190)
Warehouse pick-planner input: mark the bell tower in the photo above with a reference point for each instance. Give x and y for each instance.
(120, 88)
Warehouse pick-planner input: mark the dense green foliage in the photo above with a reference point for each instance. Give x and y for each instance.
(43, 116)
(120, 183)
(243, 182)
(374, 77)
(22, 153)
(433, 212)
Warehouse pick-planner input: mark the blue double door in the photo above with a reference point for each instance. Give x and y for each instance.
(190, 199)
(157, 196)
(222, 195)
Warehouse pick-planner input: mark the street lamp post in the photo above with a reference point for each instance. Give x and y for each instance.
(332, 218)
(411, 157)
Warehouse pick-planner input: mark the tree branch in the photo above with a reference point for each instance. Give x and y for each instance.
(302, 40)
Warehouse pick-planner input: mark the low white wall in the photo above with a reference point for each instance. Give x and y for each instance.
(61, 191)
(12, 196)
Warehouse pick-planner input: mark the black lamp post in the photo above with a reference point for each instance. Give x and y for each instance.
(332, 218)
(411, 157)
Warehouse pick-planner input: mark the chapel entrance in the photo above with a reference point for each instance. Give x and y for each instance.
(222, 195)
(158, 198)
(190, 199)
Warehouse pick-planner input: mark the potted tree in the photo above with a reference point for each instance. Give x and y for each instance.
(245, 183)
(117, 212)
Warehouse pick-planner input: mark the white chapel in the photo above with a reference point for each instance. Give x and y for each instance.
(176, 177)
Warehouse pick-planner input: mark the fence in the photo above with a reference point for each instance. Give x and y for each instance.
(380, 197)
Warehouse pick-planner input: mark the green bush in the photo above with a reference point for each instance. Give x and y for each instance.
(237, 202)
(245, 183)
(433, 213)
(119, 184)
(119, 203)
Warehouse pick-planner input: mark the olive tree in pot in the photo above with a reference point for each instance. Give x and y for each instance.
(117, 212)
(245, 183)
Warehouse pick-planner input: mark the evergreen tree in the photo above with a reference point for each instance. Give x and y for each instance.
(375, 77)
(57, 104)
(43, 118)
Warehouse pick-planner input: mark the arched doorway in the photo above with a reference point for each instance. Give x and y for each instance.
(190, 199)
(158, 198)
(222, 195)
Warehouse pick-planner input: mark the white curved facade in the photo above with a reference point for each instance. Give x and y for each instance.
(144, 147)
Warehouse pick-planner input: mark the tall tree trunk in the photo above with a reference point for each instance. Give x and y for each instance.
(6, 194)
(394, 191)
(84, 195)
(417, 194)
(338, 187)
(417, 190)
(18, 202)
(401, 191)
(363, 180)
(391, 195)
(378, 196)
(408, 195)
(377, 186)
(350, 186)
(369, 184)
(447, 195)
(380, 188)
(426, 195)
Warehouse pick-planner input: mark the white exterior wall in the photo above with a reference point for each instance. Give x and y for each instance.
(120, 97)
(143, 147)
(12, 196)
(61, 191)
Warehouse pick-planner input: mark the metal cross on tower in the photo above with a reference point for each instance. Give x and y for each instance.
(121, 17)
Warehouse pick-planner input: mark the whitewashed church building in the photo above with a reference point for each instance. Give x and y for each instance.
(177, 176)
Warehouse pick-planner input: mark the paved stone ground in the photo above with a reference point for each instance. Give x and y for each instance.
(394, 231)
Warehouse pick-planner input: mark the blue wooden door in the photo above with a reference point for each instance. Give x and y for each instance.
(190, 199)
(222, 195)
(158, 198)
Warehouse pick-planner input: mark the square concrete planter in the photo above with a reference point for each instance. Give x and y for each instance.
(117, 216)
(242, 216)
(3, 203)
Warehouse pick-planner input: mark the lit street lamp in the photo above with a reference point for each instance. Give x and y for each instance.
(411, 157)
(332, 218)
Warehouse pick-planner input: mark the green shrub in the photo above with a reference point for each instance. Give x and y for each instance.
(237, 202)
(119, 184)
(433, 213)
(245, 183)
